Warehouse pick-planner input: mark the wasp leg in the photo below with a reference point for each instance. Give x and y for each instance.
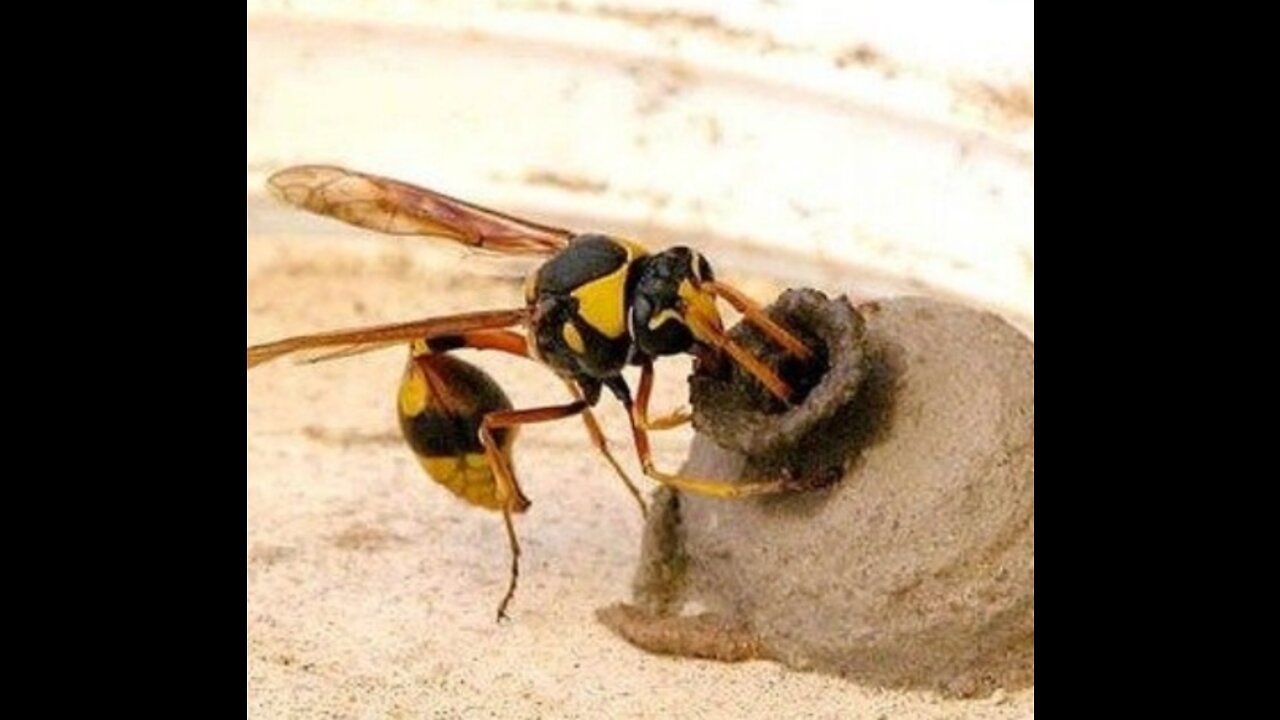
(485, 339)
(602, 444)
(669, 421)
(666, 422)
(756, 316)
(508, 490)
(598, 439)
(698, 486)
(516, 344)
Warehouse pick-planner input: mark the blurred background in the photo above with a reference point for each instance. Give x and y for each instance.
(861, 147)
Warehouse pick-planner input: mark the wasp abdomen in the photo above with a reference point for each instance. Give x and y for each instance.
(442, 403)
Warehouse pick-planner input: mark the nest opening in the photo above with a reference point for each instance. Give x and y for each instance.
(738, 413)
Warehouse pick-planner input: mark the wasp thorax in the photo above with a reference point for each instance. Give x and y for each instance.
(668, 302)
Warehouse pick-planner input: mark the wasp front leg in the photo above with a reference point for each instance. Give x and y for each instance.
(665, 422)
(639, 410)
(669, 421)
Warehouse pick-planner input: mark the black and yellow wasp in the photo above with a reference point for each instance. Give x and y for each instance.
(598, 305)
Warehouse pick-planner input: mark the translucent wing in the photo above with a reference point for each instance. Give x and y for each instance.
(397, 208)
(355, 341)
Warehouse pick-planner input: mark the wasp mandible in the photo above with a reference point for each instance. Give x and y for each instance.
(596, 306)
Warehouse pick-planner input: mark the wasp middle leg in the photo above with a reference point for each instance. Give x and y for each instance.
(602, 444)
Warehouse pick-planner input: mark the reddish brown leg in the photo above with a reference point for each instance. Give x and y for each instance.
(671, 420)
(516, 344)
(504, 340)
(508, 490)
(666, 422)
(602, 444)
(712, 488)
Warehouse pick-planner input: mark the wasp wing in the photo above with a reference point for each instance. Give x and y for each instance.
(377, 337)
(398, 208)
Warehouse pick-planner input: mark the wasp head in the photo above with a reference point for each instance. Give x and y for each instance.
(670, 308)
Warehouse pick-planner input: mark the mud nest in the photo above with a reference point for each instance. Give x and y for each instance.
(913, 565)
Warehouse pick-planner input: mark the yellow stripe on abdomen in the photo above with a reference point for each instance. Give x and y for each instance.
(467, 476)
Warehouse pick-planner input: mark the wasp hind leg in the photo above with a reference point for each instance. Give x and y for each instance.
(509, 496)
(516, 344)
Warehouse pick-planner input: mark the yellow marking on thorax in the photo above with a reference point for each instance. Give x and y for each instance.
(661, 318)
(573, 338)
(602, 303)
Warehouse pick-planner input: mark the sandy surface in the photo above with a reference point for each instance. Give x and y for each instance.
(371, 591)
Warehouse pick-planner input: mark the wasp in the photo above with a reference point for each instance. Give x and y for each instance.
(597, 305)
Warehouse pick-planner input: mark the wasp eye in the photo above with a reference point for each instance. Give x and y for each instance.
(641, 311)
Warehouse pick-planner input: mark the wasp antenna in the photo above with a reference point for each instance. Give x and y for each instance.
(756, 316)
(759, 370)
(746, 360)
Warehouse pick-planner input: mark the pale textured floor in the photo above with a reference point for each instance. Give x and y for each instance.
(371, 591)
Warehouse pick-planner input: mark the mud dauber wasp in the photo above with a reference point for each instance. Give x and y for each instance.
(596, 306)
